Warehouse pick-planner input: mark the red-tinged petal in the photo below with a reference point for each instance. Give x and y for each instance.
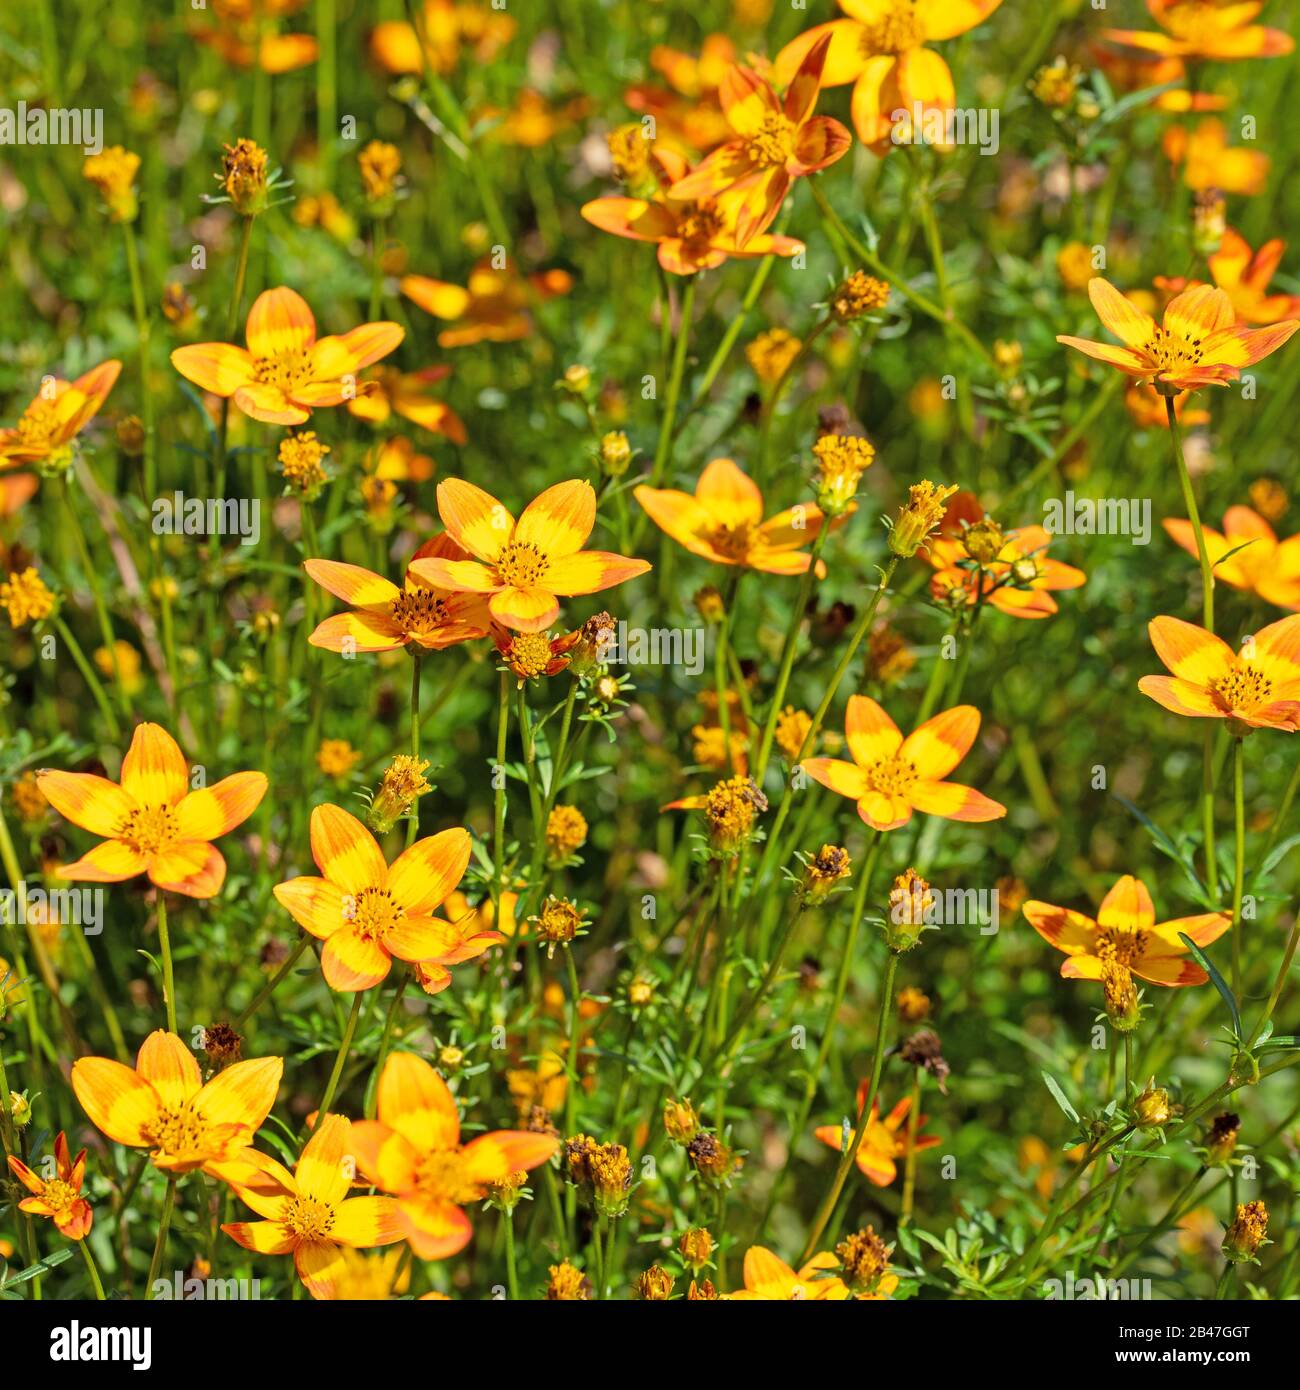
(414, 1101)
(279, 323)
(765, 1271)
(243, 1093)
(422, 877)
(1068, 931)
(169, 1066)
(119, 1102)
(1169, 970)
(801, 94)
(590, 571)
(1124, 319)
(560, 519)
(261, 1237)
(364, 1222)
(435, 297)
(215, 367)
(321, 1268)
(268, 403)
(422, 939)
(212, 812)
(196, 870)
(747, 100)
(884, 812)
(154, 770)
(1124, 358)
(354, 585)
(345, 851)
(1277, 650)
(110, 862)
(524, 610)
(1204, 928)
(455, 576)
(942, 742)
(474, 519)
(1181, 697)
(95, 384)
(922, 78)
(1024, 603)
(435, 1230)
(25, 1176)
(955, 802)
(1198, 312)
(351, 962)
(1189, 651)
(504, 1151)
(682, 517)
(1127, 906)
(634, 218)
(317, 904)
(846, 779)
(357, 632)
(871, 734)
(821, 141)
(346, 354)
(75, 1223)
(844, 58)
(384, 1156)
(728, 165)
(875, 98)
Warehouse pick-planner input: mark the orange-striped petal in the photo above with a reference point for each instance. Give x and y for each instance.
(119, 1102)
(364, 1222)
(1189, 651)
(243, 1093)
(110, 862)
(435, 297)
(871, 734)
(357, 632)
(317, 904)
(1181, 697)
(1068, 931)
(942, 742)
(351, 962)
(731, 496)
(261, 1237)
(422, 877)
(154, 770)
(321, 1171)
(212, 812)
(590, 571)
(474, 519)
(434, 1229)
(352, 584)
(279, 323)
(93, 803)
(346, 354)
(196, 870)
(414, 1101)
(216, 367)
(1127, 906)
(492, 1156)
(524, 610)
(955, 802)
(848, 779)
(560, 519)
(345, 851)
(320, 1266)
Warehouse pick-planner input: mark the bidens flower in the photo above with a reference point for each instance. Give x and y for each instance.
(413, 1151)
(892, 776)
(1258, 687)
(883, 1141)
(1126, 933)
(1199, 343)
(1195, 29)
(286, 372)
(723, 522)
(153, 823)
(526, 565)
(164, 1107)
(58, 1197)
(769, 1278)
(57, 414)
(308, 1212)
(1248, 555)
(492, 308)
(366, 911)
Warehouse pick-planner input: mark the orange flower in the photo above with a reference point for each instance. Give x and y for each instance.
(1258, 686)
(892, 776)
(775, 141)
(724, 523)
(58, 1197)
(772, 1280)
(688, 115)
(246, 36)
(525, 565)
(368, 912)
(971, 552)
(59, 412)
(308, 1212)
(163, 1105)
(691, 236)
(1244, 278)
(392, 392)
(493, 308)
(1197, 29)
(1126, 933)
(413, 1151)
(1130, 73)
(1146, 408)
(882, 1141)
(286, 372)
(1199, 344)
(1210, 163)
(1261, 563)
(387, 617)
(448, 29)
(880, 48)
(532, 121)
(16, 490)
(152, 823)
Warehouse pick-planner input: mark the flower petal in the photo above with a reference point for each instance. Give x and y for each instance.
(315, 903)
(243, 1093)
(504, 1151)
(351, 962)
(110, 862)
(196, 869)
(942, 742)
(364, 1222)
(154, 770)
(94, 803)
(415, 1101)
(422, 877)
(590, 571)
(871, 734)
(216, 367)
(474, 519)
(559, 520)
(524, 610)
(848, 779)
(1189, 651)
(279, 323)
(119, 1102)
(169, 1066)
(211, 812)
(345, 851)
(955, 802)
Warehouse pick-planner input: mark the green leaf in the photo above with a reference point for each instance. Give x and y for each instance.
(1166, 846)
(1220, 983)
(42, 1266)
(1059, 1097)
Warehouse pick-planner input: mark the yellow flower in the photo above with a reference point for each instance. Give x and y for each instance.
(919, 516)
(841, 461)
(380, 164)
(121, 663)
(336, 757)
(1074, 266)
(566, 833)
(771, 354)
(858, 296)
(243, 176)
(113, 172)
(26, 598)
(301, 458)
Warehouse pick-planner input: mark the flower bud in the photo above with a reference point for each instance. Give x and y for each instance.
(918, 517)
(1247, 1233)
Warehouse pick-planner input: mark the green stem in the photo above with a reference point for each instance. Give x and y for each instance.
(165, 949)
(1239, 855)
(350, 1028)
(417, 666)
(164, 1224)
(273, 983)
(91, 1269)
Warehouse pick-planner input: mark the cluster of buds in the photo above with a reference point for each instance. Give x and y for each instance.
(918, 518)
(864, 1260)
(655, 1285)
(401, 786)
(1120, 996)
(1247, 1233)
(602, 1173)
(731, 809)
(858, 296)
(615, 454)
(822, 872)
(913, 1004)
(841, 461)
(1152, 1110)
(566, 833)
(113, 171)
(381, 165)
(567, 1284)
(576, 380)
(629, 154)
(772, 354)
(1057, 86)
(791, 733)
(590, 653)
(910, 900)
(532, 655)
(507, 1192)
(681, 1123)
(714, 1163)
(696, 1249)
(222, 1045)
(301, 458)
(26, 597)
(1008, 356)
(559, 923)
(244, 178)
